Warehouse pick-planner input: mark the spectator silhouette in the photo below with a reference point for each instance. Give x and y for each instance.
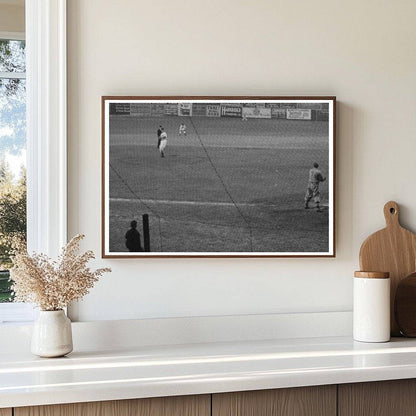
(133, 242)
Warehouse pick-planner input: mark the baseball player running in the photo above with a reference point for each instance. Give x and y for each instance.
(163, 142)
(312, 191)
(182, 129)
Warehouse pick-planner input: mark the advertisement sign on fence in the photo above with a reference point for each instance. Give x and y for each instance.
(213, 110)
(119, 108)
(278, 112)
(231, 110)
(140, 109)
(288, 105)
(158, 110)
(257, 112)
(322, 115)
(199, 109)
(298, 114)
(171, 109)
(184, 109)
(310, 106)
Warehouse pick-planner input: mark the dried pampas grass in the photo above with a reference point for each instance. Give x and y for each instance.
(53, 285)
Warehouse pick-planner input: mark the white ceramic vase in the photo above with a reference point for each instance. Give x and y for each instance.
(52, 334)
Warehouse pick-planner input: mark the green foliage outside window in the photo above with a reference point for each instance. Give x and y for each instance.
(12, 147)
(12, 223)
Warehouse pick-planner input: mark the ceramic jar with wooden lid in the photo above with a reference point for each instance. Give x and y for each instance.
(371, 307)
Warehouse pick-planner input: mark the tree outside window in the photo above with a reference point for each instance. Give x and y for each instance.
(12, 155)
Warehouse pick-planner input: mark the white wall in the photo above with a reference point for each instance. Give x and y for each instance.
(12, 18)
(361, 51)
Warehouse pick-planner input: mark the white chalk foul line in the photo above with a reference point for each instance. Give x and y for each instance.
(206, 203)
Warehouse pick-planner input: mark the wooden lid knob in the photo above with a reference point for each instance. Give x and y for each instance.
(372, 275)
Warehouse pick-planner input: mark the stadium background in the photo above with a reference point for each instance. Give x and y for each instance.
(230, 186)
(314, 111)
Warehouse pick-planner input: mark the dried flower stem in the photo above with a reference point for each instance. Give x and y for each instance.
(53, 285)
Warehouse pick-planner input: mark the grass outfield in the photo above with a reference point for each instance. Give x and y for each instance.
(228, 186)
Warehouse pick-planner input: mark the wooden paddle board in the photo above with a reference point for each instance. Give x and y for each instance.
(405, 306)
(393, 250)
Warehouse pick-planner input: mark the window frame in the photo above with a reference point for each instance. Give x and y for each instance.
(12, 35)
(46, 137)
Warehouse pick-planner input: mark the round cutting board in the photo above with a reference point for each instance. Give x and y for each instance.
(405, 306)
(393, 250)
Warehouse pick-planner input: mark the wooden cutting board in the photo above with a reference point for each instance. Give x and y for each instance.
(393, 250)
(405, 306)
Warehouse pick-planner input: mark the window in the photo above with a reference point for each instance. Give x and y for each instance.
(45, 27)
(12, 153)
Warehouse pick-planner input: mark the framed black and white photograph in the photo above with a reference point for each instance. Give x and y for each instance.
(218, 176)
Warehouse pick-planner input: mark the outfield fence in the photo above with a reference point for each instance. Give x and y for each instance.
(288, 111)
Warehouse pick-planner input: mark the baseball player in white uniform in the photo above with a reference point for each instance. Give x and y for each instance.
(312, 191)
(182, 129)
(163, 142)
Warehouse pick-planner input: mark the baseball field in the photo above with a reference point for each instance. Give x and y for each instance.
(227, 186)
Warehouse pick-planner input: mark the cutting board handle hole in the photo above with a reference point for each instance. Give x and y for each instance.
(392, 211)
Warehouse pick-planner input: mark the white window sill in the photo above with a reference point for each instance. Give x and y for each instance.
(16, 313)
